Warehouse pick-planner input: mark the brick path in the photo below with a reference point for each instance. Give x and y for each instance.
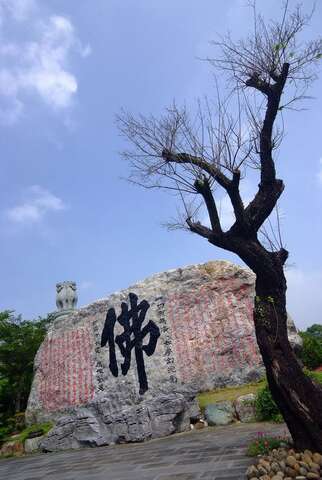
(209, 454)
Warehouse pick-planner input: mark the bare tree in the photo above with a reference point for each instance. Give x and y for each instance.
(214, 147)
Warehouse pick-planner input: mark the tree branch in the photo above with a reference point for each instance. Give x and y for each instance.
(201, 230)
(212, 170)
(203, 187)
(270, 188)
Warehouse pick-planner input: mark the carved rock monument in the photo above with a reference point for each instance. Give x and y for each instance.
(66, 298)
(127, 367)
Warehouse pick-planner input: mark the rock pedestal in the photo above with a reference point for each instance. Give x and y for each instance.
(127, 367)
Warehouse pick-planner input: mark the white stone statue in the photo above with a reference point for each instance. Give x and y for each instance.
(66, 296)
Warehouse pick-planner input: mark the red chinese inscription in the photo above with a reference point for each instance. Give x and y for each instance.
(66, 369)
(212, 330)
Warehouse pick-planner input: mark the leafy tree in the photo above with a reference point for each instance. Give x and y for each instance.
(311, 352)
(214, 147)
(315, 330)
(19, 342)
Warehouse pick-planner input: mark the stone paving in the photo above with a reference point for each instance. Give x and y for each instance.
(208, 454)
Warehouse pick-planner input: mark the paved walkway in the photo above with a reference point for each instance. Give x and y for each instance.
(208, 454)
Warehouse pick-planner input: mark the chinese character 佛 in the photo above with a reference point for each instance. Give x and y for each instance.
(132, 338)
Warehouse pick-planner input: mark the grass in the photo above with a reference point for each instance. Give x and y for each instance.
(43, 427)
(317, 376)
(227, 393)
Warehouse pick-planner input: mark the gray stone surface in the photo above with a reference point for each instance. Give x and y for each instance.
(203, 314)
(95, 426)
(245, 407)
(209, 454)
(220, 413)
(66, 295)
(32, 444)
(293, 336)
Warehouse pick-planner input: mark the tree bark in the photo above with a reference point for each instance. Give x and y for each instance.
(297, 396)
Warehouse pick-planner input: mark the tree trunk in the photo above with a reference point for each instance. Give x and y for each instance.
(297, 396)
(18, 402)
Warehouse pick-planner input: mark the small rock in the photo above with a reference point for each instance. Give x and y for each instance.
(221, 413)
(315, 467)
(199, 425)
(312, 475)
(245, 408)
(290, 461)
(275, 467)
(308, 452)
(262, 470)
(276, 477)
(300, 477)
(32, 444)
(251, 472)
(290, 472)
(265, 464)
(282, 454)
(317, 458)
(307, 459)
(303, 471)
(265, 477)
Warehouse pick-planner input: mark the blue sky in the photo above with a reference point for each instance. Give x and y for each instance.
(66, 69)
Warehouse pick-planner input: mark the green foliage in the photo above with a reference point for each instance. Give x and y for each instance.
(42, 428)
(4, 433)
(19, 342)
(227, 393)
(263, 445)
(316, 376)
(315, 330)
(311, 352)
(266, 408)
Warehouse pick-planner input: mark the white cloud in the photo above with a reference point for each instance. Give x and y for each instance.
(20, 10)
(320, 172)
(304, 300)
(40, 66)
(37, 204)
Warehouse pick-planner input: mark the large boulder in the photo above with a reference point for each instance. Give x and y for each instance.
(32, 445)
(220, 413)
(127, 367)
(96, 426)
(245, 407)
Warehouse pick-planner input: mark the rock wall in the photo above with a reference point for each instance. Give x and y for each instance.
(126, 368)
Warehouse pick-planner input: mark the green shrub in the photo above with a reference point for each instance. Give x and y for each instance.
(315, 330)
(316, 376)
(19, 342)
(42, 428)
(263, 445)
(4, 432)
(311, 352)
(266, 408)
